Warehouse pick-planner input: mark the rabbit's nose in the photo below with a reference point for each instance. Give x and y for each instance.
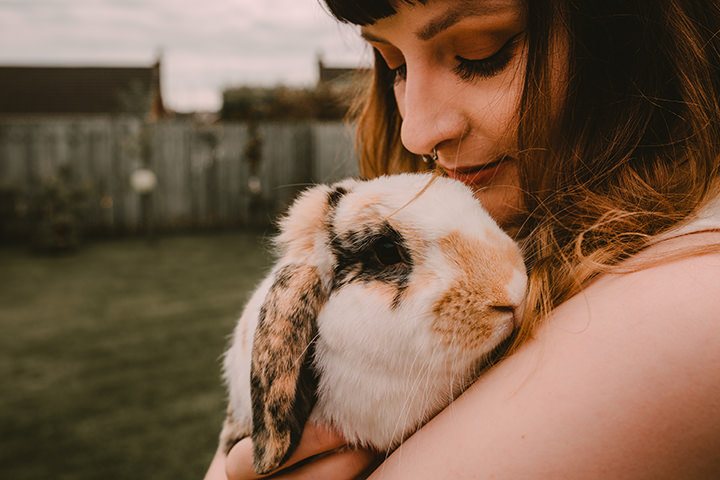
(516, 292)
(516, 288)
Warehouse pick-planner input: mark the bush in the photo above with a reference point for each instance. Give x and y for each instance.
(283, 104)
(57, 210)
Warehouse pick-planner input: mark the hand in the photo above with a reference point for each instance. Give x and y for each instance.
(321, 454)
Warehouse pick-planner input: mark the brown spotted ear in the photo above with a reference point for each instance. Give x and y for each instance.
(283, 383)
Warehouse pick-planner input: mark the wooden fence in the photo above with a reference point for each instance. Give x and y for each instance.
(225, 175)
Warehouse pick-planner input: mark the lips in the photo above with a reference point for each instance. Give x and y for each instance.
(479, 175)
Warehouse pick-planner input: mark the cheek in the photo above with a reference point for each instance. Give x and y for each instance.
(493, 105)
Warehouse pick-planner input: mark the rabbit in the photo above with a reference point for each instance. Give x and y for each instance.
(387, 296)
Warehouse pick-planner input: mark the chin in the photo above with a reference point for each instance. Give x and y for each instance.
(503, 203)
(502, 198)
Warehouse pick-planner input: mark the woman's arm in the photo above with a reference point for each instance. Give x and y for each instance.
(622, 382)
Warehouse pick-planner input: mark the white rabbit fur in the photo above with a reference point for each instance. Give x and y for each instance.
(387, 347)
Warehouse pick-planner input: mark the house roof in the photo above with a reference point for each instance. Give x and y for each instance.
(80, 90)
(331, 74)
(339, 75)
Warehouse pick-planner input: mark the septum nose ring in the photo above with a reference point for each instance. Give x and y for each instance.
(430, 160)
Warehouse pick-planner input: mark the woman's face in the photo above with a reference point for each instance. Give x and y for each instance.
(458, 78)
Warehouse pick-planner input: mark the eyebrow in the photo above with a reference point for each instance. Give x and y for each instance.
(457, 13)
(449, 18)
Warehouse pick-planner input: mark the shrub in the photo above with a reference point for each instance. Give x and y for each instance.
(57, 212)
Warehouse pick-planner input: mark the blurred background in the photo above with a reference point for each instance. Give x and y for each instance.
(146, 146)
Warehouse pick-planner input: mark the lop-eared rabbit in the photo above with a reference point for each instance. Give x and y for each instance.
(384, 302)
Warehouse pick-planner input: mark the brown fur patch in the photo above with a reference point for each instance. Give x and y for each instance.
(282, 386)
(304, 222)
(465, 315)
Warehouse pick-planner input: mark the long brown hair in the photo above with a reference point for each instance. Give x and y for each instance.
(636, 146)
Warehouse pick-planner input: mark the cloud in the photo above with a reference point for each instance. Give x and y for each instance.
(206, 45)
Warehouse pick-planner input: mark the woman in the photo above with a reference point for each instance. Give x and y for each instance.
(591, 131)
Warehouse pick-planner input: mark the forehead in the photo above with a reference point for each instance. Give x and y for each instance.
(453, 12)
(427, 20)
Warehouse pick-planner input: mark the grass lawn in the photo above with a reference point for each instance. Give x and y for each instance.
(110, 358)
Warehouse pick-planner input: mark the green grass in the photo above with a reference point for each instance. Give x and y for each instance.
(110, 358)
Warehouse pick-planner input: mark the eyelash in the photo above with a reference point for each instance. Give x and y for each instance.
(470, 70)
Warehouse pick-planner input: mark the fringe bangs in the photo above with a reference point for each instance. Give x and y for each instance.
(365, 12)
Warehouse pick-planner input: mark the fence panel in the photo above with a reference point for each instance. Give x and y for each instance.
(233, 175)
(334, 157)
(224, 175)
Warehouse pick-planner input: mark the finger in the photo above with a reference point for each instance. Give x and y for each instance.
(315, 439)
(345, 463)
(239, 464)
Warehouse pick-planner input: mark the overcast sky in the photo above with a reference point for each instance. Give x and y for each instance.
(205, 45)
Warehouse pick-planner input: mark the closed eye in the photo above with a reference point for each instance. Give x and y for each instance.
(470, 70)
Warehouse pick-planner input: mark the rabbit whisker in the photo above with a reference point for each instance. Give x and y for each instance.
(415, 197)
(414, 390)
(422, 395)
(401, 420)
(302, 354)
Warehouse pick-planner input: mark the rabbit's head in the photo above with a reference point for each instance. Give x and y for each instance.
(386, 270)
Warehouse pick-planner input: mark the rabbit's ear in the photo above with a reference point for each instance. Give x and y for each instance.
(283, 383)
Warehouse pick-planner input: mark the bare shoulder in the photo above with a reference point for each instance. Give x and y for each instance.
(623, 381)
(669, 302)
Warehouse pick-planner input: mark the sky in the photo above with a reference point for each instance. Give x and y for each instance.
(204, 45)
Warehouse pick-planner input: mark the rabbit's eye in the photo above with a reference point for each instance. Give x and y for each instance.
(387, 252)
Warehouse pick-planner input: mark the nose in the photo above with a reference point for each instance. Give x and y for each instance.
(431, 108)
